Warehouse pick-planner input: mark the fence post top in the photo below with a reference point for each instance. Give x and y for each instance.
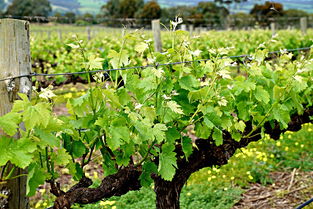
(9, 21)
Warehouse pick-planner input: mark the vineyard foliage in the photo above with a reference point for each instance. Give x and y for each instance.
(137, 117)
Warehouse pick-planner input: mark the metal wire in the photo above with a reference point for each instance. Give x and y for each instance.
(143, 67)
(305, 204)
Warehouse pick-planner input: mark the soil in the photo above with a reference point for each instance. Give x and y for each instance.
(289, 190)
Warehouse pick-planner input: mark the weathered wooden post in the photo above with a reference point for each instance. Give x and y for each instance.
(273, 28)
(49, 34)
(191, 29)
(184, 27)
(60, 35)
(198, 30)
(14, 61)
(156, 28)
(304, 25)
(88, 33)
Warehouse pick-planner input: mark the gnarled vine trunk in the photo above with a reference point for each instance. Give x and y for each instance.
(168, 192)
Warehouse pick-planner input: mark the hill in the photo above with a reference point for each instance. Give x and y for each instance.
(93, 6)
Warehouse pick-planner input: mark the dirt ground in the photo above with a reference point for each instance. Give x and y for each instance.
(289, 190)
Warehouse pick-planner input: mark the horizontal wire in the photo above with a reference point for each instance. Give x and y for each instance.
(142, 67)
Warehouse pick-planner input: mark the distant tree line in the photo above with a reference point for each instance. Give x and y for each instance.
(140, 13)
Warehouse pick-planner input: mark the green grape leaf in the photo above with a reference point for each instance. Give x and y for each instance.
(278, 92)
(108, 164)
(118, 59)
(9, 123)
(123, 155)
(176, 108)
(21, 105)
(262, 95)
(147, 169)
(78, 149)
(159, 132)
(111, 95)
(36, 176)
(282, 115)
(218, 137)
(202, 131)
(47, 138)
(167, 162)
(61, 157)
(75, 170)
(189, 83)
(208, 122)
(240, 126)
(38, 115)
(187, 146)
(141, 47)
(118, 136)
(19, 152)
(94, 63)
(172, 134)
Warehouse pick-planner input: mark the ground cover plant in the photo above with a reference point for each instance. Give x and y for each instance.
(156, 125)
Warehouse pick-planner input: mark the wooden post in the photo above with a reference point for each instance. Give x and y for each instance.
(88, 33)
(49, 34)
(60, 35)
(156, 28)
(14, 61)
(198, 30)
(191, 29)
(184, 27)
(304, 25)
(273, 28)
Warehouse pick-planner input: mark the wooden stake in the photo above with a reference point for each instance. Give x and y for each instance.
(88, 33)
(14, 61)
(304, 25)
(273, 28)
(60, 35)
(184, 27)
(156, 28)
(191, 29)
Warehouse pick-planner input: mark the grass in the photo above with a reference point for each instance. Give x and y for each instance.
(221, 188)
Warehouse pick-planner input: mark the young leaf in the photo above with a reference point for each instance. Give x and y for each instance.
(36, 176)
(218, 137)
(167, 162)
(9, 123)
(147, 169)
(176, 108)
(159, 132)
(187, 146)
(262, 95)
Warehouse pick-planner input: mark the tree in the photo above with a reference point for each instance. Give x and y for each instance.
(129, 8)
(70, 17)
(208, 13)
(122, 8)
(85, 19)
(29, 8)
(111, 9)
(151, 10)
(266, 13)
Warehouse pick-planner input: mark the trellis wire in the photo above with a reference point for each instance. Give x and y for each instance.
(145, 66)
(305, 204)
